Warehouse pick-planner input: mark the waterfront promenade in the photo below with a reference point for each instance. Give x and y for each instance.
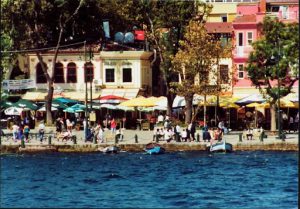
(136, 144)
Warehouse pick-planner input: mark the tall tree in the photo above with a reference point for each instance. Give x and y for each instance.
(195, 62)
(5, 58)
(41, 24)
(274, 61)
(165, 21)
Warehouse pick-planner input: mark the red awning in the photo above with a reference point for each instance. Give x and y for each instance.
(110, 99)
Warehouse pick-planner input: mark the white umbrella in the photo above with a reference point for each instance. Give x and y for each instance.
(13, 111)
(179, 101)
(250, 99)
(43, 109)
(124, 108)
(108, 106)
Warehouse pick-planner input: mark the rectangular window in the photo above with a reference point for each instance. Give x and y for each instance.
(240, 39)
(224, 18)
(240, 71)
(224, 77)
(127, 75)
(110, 75)
(249, 38)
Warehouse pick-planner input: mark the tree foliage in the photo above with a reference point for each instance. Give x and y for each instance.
(275, 56)
(165, 21)
(40, 24)
(196, 62)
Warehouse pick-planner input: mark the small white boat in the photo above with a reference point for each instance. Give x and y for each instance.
(221, 147)
(110, 149)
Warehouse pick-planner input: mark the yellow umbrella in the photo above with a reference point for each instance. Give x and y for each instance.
(254, 104)
(229, 105)
(135, 102)
(288, 104)
(264, 105)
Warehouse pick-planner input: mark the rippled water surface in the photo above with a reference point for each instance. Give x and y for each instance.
(182, 179)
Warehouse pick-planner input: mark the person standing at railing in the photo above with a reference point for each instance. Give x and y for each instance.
(26, 132)
(41, 129)
(15, 130)
(113, 125)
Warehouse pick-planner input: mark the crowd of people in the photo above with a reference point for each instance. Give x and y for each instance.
(165, 128)
(175, 132)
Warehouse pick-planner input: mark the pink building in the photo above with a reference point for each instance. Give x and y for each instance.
(247, 30)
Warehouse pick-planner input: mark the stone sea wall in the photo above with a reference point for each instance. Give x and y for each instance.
(172, 147)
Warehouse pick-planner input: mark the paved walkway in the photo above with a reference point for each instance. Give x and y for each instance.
(144, 137)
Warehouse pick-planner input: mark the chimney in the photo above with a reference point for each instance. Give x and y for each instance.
(262, 6)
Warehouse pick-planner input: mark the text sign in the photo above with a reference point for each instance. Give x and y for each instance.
(18, 84)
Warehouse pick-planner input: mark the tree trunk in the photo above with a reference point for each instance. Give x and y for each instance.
(204, 110)
(188, 107)
(49, 103)
(273, 117)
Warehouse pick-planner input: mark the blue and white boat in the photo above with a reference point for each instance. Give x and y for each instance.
(221, 147)
(154, 148)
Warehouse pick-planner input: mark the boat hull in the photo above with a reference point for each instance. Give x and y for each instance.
(154, 148)
(112, 149)
(221, 147)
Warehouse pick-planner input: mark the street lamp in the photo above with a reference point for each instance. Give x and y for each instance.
(86, 94)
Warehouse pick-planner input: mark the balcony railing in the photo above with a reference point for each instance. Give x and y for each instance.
(242, 51)
(284, 16)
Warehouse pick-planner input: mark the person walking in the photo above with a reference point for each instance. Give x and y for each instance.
(193, 131)
(26, 133)
(296, 122)
(69, 124)
(291, 124)
(177, 131)
(113, 125)
(41, 129)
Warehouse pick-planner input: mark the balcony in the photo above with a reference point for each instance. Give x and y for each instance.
(242, 51)
(284, 16)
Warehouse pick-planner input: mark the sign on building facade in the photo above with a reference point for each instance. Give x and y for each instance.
(18, 84)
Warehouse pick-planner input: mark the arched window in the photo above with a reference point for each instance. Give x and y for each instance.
(40, 76)
(89, 72)
(59, 73)
(71, 73)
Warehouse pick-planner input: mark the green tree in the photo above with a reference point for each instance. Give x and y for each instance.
(273, 63)
(5, 58)
(41, 24)
(195, 62)
(165, 21)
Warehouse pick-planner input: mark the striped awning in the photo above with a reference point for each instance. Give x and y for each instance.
(125, 93)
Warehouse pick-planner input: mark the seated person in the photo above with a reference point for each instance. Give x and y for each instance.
(89, 135)
(157, 133)
(218, 134)
(249, 134)
(168, 135)
(119, 134)
(184, 135)
(206, 135)
(211, 132)
(66, 135)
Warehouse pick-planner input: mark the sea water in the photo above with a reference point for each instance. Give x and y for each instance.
(137, 180)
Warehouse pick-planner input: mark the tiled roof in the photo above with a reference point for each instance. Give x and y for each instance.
(245, 18)
(219, 27)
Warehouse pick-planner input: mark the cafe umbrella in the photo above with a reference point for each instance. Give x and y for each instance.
(25, 105)
(13, 111)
